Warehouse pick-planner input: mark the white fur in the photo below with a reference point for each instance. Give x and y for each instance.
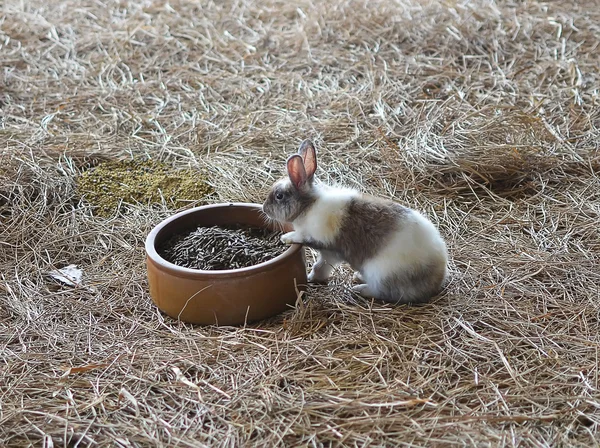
(417, 242)
(328, 209)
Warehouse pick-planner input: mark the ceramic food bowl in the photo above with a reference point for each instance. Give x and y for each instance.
(229, 297)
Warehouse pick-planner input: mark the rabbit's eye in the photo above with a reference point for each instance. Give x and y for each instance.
(279, 195)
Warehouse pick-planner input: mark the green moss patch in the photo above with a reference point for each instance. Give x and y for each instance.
(111, 184)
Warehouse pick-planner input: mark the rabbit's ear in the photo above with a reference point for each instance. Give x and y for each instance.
(309, 156)
(296, 172)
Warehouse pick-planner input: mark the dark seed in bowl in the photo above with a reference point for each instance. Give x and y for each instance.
(220, 248)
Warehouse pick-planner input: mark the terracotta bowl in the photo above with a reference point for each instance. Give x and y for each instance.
(230, 297)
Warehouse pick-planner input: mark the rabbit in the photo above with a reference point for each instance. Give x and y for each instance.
(399, 256)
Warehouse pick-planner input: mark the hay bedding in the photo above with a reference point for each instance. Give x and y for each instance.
(484, 115)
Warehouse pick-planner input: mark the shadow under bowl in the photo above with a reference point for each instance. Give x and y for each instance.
(229, 297)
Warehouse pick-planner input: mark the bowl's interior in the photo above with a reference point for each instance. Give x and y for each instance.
(216, 215)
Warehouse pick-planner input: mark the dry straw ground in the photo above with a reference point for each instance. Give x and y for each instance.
(483, 114)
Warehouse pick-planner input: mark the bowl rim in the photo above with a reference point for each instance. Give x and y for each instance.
(180, 271)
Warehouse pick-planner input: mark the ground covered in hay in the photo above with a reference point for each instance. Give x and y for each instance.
(483, 114)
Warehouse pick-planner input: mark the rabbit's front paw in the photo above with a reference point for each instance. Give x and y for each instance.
(290, 238)
(357, 277)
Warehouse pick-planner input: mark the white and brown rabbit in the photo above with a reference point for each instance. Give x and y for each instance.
(397, 253)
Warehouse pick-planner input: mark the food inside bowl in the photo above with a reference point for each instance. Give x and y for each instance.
(222, 247)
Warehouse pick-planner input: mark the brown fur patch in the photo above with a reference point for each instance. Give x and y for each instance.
(364, 229)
